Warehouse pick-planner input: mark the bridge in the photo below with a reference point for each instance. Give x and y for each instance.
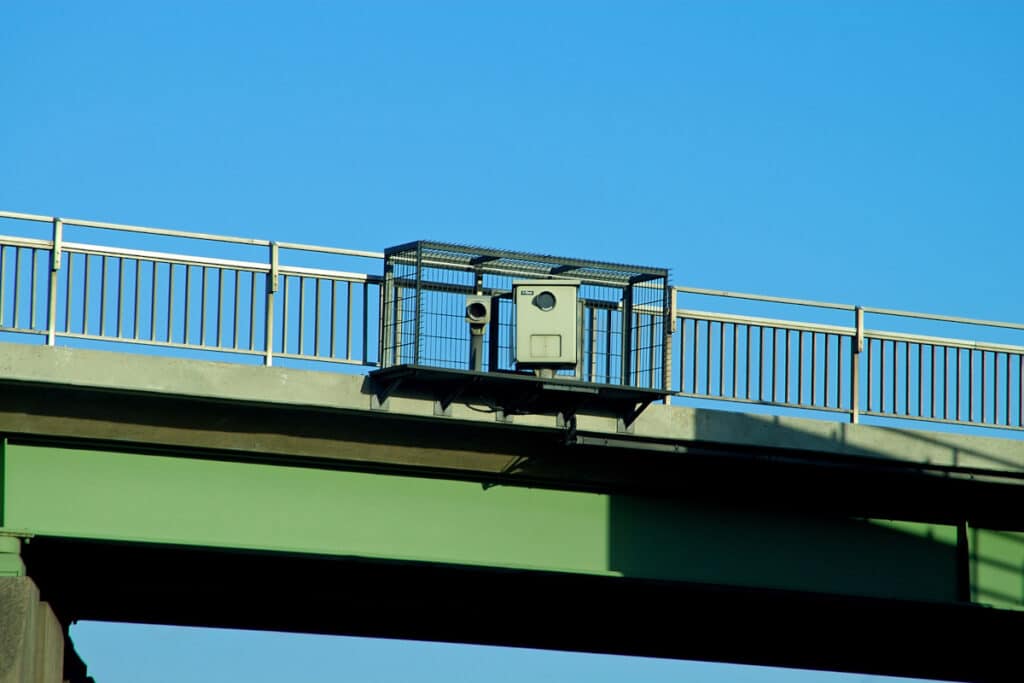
(203, 437)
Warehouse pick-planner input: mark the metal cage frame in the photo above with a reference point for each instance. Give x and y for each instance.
(625, 311)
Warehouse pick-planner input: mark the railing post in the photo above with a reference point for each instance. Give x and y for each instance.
(627, 335)
(670, 330)
(858, 347)
(55, 253)
(388, 339)
(272, 278)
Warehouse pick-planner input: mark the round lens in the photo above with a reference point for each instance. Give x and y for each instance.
(545, 301)
(476, 311)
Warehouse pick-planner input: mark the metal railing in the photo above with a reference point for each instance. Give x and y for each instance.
(268, 309)
(852, 370)
(279, 308)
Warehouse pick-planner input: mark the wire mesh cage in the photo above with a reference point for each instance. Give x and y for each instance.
(623, 312)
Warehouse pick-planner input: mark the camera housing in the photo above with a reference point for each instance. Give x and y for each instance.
(547, 323)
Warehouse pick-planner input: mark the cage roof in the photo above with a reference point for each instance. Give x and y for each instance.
(515, 263)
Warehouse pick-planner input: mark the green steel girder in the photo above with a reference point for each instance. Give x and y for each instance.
(119, 496)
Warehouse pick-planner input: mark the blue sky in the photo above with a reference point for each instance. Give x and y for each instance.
(867, 153)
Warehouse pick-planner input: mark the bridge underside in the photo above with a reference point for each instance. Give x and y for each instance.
(321, 594)
(186, 493)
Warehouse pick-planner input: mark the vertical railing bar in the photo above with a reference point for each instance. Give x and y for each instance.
(252, 310)
(750, 342)
(188, 304)
(708, 359)
(814, 369)
(945, 382)
(839, 371)
(906, 377)
(921, 380)
(316, 316)
(637, 341)
(895, 378)
(721, 358)
(682, 353)
(17, 293)
(931, 388)
(970, 385)
(302, 316)
(651, 355)
(775, 365)
(870, 372)
(995, 387)
(827, 373)
(608, 347)
(696, 355)
(220, 308)
(135, 299)
(760, 365)
(85, 298)
(234, 320)
(3, 270)
(103, 296)
(592, 366)
(152, 306)
(735, 357)
(959, 383)
(334, 316)
(1020, 390)
(32, 291)
(1006, 408)
(170, 302)
(284, 315)
(120, 295)
(882, 376)
(934, 391)
(735, 354)
(788, 339)
(348, 319)
(800, 367)
(67, 293)
(984, 384)
(202, 306)
(1007, 389)
(366, 322)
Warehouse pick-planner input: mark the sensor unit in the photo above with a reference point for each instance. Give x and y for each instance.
(546, 323)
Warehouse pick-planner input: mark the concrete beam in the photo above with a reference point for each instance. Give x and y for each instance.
(335, 391)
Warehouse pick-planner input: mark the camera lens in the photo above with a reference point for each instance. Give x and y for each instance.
(476, 311)
(545, 301)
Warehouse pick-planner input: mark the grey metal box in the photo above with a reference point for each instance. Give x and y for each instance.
(546, 322)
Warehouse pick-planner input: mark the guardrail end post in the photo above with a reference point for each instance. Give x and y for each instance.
(272, 284)
(55, 261)
(858, 348)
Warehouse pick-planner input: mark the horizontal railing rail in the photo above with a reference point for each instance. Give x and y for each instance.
(284, 306)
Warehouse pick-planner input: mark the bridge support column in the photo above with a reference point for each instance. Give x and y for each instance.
(31, 637)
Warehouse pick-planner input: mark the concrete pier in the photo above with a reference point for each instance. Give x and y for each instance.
(31, 636)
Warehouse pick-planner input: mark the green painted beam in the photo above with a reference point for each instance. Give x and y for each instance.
(229, 504)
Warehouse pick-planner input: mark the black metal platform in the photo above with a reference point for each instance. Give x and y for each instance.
(509, 393)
